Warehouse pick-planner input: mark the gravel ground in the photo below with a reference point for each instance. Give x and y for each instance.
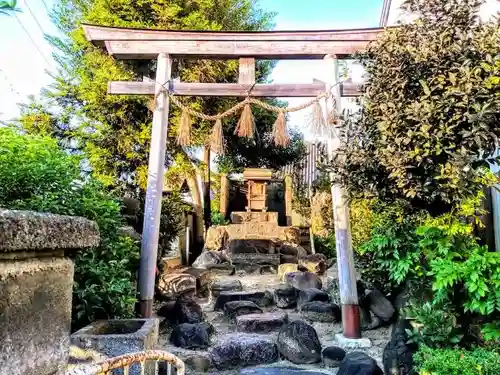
(326, 331)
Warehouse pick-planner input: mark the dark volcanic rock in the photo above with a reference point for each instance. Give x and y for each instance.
(317, 311)
(191, 336)
(303, 280)
(288, 259)
(209, 258)
(359, 363)
(279, 371)
(234, 309)
(224, 269)
(250, 247)
(261, 323)
(369, 320)
(333, 356)
(187, 311)
(243, 349)
(286, 297)
(226, 286)
(262, 299)
(299, 343)
(379, 305)
(310, 295)
(314, 263)
(398, 356)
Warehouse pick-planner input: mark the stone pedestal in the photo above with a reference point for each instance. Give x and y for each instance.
(36, 283)
(116, 337)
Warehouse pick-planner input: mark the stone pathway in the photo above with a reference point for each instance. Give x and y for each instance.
(231, 348)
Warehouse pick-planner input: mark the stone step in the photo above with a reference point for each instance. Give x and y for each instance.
(285, 370)
(243, 349)
(233, 309)
(262, 299)
(261, 323)
(226, 286)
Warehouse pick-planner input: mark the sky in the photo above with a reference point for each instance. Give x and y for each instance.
(26, 59)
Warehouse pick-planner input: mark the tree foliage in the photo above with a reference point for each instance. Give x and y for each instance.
(37, 175)
(429, 124)
(114, 131)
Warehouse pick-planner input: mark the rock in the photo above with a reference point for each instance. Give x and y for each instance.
(288, 259)
(359, 363)
(291, 249)
(243, 349)
(398, 356)
(251, 247)
(234, 309)
(369, 320)
(312, 294)
(191, 336)
(187, 311)
(262, 299)
(317, 311)
(299, 343)
(208, 258)
(379, 305)
(261, 323)
(203, 277)
(292, 235)
(254, 262)
(333, 356)
(167, 310)
(285, 297)
(197, 362)
(223, 269)
(173, 285)
(225, 286)
(216, 238)
(280, 371)
(303, 280)
(128, 231)
(283, 269)
(315, 263)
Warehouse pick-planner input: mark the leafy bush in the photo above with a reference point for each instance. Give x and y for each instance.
(218, 219)
(392, 254)
(457, 361)
(35, 174)
(326, 245)
(429, 122)
(432, 326)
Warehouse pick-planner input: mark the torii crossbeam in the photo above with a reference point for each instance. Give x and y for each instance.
(126, 43)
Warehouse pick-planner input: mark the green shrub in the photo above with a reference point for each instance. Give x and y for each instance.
(326, 245)
(433, 326)
(430, 111)
(35, 174)
(392, 254)
(457, 361)
(218, 218)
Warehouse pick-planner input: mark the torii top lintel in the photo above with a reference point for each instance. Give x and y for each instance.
(129, 43)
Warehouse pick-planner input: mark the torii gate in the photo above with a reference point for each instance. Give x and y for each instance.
(126, 43)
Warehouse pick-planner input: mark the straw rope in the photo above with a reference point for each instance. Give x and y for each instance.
(246, 125)
(241, 104)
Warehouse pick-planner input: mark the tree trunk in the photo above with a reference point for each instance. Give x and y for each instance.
(207, 211)
(195, 192)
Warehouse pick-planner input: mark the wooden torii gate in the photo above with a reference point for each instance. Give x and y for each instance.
(126, 43)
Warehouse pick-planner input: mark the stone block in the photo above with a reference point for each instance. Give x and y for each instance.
(35, 231)
(347, 343)
(35, 315)
(36, 284)
(121, 336)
